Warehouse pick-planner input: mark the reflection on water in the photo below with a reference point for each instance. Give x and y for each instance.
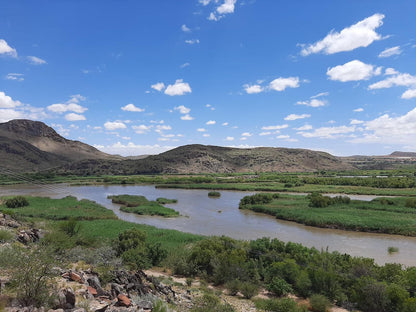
(221, 216)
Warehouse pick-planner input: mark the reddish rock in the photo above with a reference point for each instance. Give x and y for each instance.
(92, 290)
(124, 300)
(75, 277)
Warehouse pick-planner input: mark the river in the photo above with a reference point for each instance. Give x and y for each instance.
(221, 216)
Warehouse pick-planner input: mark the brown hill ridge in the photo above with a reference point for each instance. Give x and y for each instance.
(27, 145)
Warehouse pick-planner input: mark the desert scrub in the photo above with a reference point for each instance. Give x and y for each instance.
(142, 206)
(214, 194)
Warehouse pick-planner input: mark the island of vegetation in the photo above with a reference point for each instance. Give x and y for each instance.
(142, 206)
(90, 240)
(214, 194)
(339, 212)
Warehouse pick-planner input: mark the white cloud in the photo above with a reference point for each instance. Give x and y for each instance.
(132, 108)
(35, 60)
(6, 49)
(158, 86)
(204, 2)
(211, 122)
(390, 130)
(192, 41)
(185, 65)
(184, 28)
(361, 34)
(227, 7)
(283, 136)
(353, 71)
(328, 132)
(141, 129)
(201, 130)
(187, 117)
(210, 107)
(229, 138)
(320, 95)
(265, 133)
(390, 71)
(250, 89)
(114, 125)
(295, 117)
(409, 94)
(399, 79)
(7, 102)
(305, 127)
(312, 103)
(9, 114)
(206, 135)
(280, 84)
(225, 123)
(358, 110)
(179, 88)
(277, 127)
(14, 76)
(74, 117)
(182, 109)
(213, 17)
(70, 107)
(243, 138)
(246, 134)
(356, 122)
(390, 52)
(132, 149)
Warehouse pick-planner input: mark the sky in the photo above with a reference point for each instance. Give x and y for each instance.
(142, 77)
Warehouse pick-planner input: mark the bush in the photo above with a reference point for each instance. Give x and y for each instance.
(262, 198)
(410, 203)
(317, 200)
(211, 303)
(16, 202)
(249, 289)
(70, 227)
(214, 194)
(233, 287)
(279, 287)
(319, 303)
(6, 236)
(279, 305)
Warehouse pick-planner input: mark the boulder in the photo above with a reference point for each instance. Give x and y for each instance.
(123, 300)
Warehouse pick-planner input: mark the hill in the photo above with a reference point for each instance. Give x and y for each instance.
(27, 145)
(214, 159)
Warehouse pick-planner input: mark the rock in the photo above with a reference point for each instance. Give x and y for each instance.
(79, 310)
(144, 304)
(92, 291)
(75, 277)
(94, 281)
(65, 299)
(123, 300)
(96, 306)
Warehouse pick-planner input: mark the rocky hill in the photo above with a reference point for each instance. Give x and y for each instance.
(215, 159)
(27, 145)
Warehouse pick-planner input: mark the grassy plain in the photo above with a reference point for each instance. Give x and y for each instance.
(381, 216)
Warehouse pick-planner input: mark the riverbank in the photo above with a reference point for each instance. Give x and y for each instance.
(354, 215)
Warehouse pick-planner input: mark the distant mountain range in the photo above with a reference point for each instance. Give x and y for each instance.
(30, 146)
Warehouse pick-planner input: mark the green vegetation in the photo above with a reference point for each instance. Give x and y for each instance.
(140, 205)
(279, 305)
(214, 194)
(16, 202)
(392, 249)
(340, 212)
(6, 236)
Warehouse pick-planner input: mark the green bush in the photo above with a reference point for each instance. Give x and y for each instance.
(262, 198)
(214, 194)
(410, 202)
(16, 202)
(279, 287)
(319, 303)
(249, 289)
(233, 287)
(211, 303)
(279, 305)
(70, 227)
(317, 200)
(6, 236)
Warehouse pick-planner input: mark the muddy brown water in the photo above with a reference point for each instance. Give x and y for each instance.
(221, 216)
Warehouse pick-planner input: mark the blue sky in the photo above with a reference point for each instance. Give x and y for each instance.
(141, 77)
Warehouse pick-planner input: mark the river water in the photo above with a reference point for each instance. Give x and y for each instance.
(221, 216)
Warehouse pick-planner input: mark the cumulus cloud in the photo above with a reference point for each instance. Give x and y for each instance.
(182, 109)
(187, 117)
(246, 134)
(312, 103)
(227, 7)
(398, 79)
(201, 130)
(229, 138)
(158, 86)
(74, 117)
(206, 135)
(184, 28)
(185, 65)
(225, 123)
(295, 117)
(305, 127)
(250, 89)
(9, 114)
(280, 84)
(390, 52)
(358, 110)
(132, 108)
(361, 34)
(353, 71)
(409, 94)
(211, 122)
(114, 125)
(328, 132)
(14, 76)
(5, 49)
(356, 122)
(222, 8)
(276, 127)
(132, 149)
(69, 106)
(265, 133)
(7, 102)
(141, 129)
(35, 60)
(192, 41)
(178, 88)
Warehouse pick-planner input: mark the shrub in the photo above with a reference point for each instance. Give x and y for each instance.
(319, 303)
(16, 202)
(214, 194)
(249, 289)
(279, 305)
(233, 287)
(303, 284)
(210, 303)
(6, 236)
(279, 287)
(317, 200)
(410, 203)
(130, 239)
(70, 227)
(262, 198)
